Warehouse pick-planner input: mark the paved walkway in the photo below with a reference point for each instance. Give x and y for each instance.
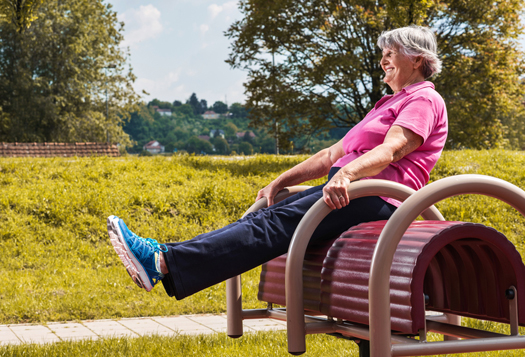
(133, 327)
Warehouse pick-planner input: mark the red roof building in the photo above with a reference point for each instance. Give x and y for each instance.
(241, 134)
(153, 147)
(210, 114)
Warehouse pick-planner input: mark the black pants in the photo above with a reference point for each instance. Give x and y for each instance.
(257, 238)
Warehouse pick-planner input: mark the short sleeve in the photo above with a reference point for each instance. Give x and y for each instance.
(417, 115)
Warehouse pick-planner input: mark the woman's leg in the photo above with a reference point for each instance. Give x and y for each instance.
(254, 240)
(144, 258)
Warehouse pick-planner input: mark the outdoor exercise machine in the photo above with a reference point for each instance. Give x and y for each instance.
(375, 283)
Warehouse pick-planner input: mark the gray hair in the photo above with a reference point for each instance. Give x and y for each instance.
(414, 41)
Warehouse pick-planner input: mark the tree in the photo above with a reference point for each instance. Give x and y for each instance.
(247, 137)
(230, 129)
(221, 146)
(204, 106)
(220, 107)
(237, 110)
(313, 65)
(20, 13)
(54, 75)
(177, 103)
(195, 103)
(199, 106)
(198, 146)
(160, 104)
(245, 148)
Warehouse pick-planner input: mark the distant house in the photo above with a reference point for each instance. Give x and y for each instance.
(217, 132)
(204, 137)
(210, 114)
(153, 147)
(166, 112)
(241, 134)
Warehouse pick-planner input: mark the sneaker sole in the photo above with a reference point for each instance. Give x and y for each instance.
(134, 268)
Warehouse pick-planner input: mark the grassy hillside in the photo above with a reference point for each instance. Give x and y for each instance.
(57, 261)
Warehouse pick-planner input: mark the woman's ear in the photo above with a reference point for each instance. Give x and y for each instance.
(418, 62)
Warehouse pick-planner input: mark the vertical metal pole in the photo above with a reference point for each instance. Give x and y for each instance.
(453, 320)
(110, 66)
(276, 137)
(513, 311)
(234, 307)
(107, 109)
(273, 106)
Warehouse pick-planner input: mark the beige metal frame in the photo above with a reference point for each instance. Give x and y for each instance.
(382, 342)
(235, 313)
(379, 289)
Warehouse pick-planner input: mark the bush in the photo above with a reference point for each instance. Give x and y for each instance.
(145, 153)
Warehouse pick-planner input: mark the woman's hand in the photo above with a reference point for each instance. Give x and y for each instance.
(314, 167)
(269, 192)
(335, 193)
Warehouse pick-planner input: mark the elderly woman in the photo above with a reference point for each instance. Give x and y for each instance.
(400, 140)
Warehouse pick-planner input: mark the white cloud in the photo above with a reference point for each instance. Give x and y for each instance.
(236, 91)
(230, 5)
(215, 9)
(164, 87)
(141, 24)
(204, 28)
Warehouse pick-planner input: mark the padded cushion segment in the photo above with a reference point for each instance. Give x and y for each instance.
(464, 268)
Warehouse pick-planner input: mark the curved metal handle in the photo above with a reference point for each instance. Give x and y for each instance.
(379, 287)
(301, 238)
(233, 285)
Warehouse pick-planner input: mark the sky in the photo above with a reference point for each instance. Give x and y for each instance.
(178, 47)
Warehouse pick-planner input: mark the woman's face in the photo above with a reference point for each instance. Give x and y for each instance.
(400, 71)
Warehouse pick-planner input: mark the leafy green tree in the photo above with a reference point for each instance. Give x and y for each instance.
(230, 129)
(177, 103)
(160, 104)
(314, 64)
(20, 13)
(220, 107)
(221, 146)
(198, 146)
(54, 75)
(237, 110)
(204, 106)
(195, 104)
(140, 127)
(247, 137)
(245, 148)
(185, 109)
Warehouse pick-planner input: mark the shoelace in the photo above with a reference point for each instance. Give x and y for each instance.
(140, 246)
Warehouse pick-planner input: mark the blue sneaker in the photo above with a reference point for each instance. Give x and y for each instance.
(141, 256)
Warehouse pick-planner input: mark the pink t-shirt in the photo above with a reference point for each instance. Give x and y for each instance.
(418, 108)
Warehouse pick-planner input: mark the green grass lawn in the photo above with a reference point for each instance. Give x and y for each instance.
(58, 264)
(57, 254)
(253, 344)
(54, 240)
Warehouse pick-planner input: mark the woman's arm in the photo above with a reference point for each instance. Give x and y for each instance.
(398, 142)
(314, 167)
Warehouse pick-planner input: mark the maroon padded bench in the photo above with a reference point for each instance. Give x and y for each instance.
(377, 280)
(453, 267)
